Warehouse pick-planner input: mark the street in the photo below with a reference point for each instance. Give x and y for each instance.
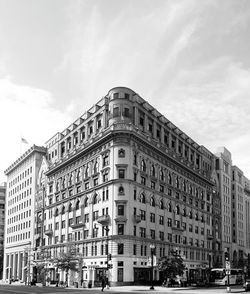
(5, 289)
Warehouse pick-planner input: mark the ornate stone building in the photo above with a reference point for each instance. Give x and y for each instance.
(118, 180)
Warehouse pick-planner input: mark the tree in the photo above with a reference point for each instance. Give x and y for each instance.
(66, 261)
(171, 265)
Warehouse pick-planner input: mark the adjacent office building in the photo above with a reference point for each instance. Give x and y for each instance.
(2, 213)
(19, 216)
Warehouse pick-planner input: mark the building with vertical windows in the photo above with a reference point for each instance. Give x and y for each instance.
(238, 224)
(118, 181)
(2, 217)
(19, 216)
(224, 172)
(246, 195)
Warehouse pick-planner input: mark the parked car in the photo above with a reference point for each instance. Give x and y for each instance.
(246, 285)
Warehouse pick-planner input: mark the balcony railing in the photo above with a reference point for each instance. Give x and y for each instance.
(48, 232)
(178, 228)
(77, 225)
(104, 220)
(136, 218)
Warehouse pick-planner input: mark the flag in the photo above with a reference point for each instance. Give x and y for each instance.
(24, 141)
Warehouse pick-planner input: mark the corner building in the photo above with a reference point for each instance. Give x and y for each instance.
(119, 179)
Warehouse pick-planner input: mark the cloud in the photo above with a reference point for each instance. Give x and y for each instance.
(211, 104)
(29, 113)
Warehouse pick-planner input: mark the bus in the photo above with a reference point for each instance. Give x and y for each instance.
(218, 276)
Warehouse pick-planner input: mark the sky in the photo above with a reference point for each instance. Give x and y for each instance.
(188, 58)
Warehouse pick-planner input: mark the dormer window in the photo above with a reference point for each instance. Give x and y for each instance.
(116, 95)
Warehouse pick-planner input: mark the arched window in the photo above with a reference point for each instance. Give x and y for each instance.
(196, 216)
(190, 214)
(57, 186)
(143, 166)
(202, 218)
(169, 179)
(169, 207)
(86, 202)
(63, 183)
(142, 198)
(161, 204)
(196, 192)
(135, 159)
(70, 207)
(152, 171)
(152, 201)
(184, 186)
(87, 171)
(184, 213)
(177, 182)
(63, 210)
(177, 209)
(95, 200)
(96, 167)
(77, 204)
(70, 179)
(78, 174)
(161, 175)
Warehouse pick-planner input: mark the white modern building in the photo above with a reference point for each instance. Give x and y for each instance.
(19, 217)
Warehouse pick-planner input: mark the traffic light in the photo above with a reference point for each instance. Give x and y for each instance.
(226, 255)
(109, 256)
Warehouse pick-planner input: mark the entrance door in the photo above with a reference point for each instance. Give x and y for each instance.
(120, 275)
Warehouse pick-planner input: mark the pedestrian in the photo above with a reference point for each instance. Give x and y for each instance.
(103, 284)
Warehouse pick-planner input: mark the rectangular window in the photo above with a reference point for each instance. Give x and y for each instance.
(143, 232)
(86, 218)
(134, 250)
(95, 215)
(143, 214)
(152, 217)
(85, 234)
(95, 182)
(126, 112)
(152, 234)
(116, 112)
(120, 210)
(121, 173)
(161, 220)
(63, 224)
(120, 229)
(120, 249)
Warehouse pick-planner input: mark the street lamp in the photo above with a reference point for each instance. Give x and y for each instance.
(152, 248)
